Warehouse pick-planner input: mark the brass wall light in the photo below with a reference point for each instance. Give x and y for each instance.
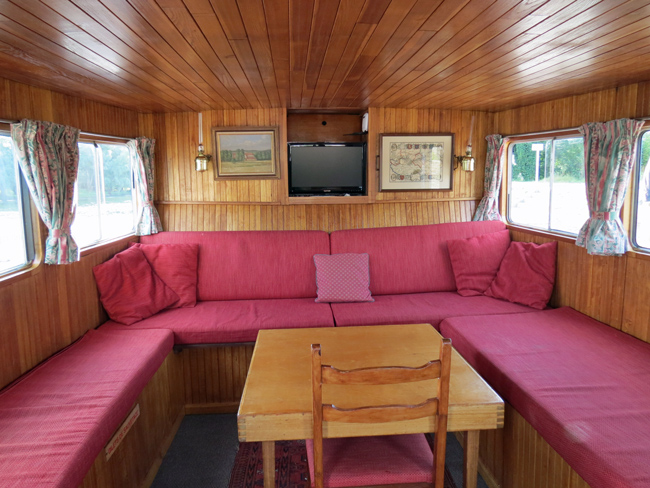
(466, 162)
(202, 159)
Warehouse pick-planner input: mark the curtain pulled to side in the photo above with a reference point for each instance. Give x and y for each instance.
(149, 220)
(48, 156)
(488, 208)
(609, 156)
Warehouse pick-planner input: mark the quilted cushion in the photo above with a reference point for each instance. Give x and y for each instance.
(476, 260)
(129, 289)
(343, 277)
(526, 275)
(371, 461)
(177, 265)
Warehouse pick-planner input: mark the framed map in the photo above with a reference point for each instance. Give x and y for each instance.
(415, 161)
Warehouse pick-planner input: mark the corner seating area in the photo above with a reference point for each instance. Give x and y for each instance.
(558, 368)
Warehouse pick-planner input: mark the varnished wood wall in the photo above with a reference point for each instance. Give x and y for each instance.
(50, 307)
(614, 290)
(188, 200)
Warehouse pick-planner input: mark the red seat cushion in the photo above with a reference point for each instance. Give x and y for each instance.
(129, 289)
(370, 461)
(237, 320)
(584, 386)
(419, 308)
(55, 420)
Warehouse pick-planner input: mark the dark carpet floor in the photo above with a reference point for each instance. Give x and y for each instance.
(203, 453)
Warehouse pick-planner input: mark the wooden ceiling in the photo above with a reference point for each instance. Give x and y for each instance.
(192, 55)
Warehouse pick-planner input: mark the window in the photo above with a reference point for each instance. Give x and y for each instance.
(641, 224)
(104, 193)
(546, 184)
(16, 239)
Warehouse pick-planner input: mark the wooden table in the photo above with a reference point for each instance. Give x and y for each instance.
(276, 402)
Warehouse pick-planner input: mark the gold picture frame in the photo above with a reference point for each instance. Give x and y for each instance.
(246, 152)
(417, 162)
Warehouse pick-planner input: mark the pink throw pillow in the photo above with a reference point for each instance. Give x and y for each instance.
(343, 277)
(526, 275)
(177, 265)
(476, 260)
(129, 289)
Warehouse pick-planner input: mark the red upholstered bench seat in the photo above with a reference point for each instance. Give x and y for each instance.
(55, 420)
(231, 321)
(584, 386)
(420, 308)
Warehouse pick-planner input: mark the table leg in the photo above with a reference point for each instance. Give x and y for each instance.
(268, 463)
(470, 468)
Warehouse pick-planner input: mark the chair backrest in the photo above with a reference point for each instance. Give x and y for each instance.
(435, 406)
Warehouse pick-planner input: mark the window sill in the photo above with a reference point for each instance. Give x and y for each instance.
(18, 275)
(541, 233)
(100, 246)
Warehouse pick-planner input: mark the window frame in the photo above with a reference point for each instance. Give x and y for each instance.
(30, 222)
(96, 140)
(571, 133)
(634, 192)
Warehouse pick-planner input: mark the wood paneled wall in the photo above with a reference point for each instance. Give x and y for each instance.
(188, 200)
(52, 306)
(614, 290)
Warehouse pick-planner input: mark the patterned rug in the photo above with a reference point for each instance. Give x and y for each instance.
(292, 470)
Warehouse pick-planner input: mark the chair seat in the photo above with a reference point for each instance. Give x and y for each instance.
(370, 461)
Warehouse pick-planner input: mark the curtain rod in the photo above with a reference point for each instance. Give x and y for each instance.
(81, 133)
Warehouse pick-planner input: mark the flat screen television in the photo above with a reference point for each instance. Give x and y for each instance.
(327, 168)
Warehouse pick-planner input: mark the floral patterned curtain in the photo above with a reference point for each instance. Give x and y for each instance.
(149, 220)
(609, 156)
(48, 156)
(488, 208)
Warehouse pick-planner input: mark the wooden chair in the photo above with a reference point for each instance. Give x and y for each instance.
(385, 461)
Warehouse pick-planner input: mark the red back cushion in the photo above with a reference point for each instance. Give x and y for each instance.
(526, 274)
(343, 277)
(129, 289)
(256, 265)
(410, 259)
(177, 265)
(476, 261)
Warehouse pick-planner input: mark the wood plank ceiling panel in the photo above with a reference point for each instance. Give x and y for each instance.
(195, 55)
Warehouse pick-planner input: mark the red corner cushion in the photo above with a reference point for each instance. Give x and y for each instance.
(526, 275)
(177, 265)
(56, 419)
(476, 260)
(374, 461)
(222, 322)
(252, 265)
(129, 289)
(411, 259)
(584, 386)
(343, 277)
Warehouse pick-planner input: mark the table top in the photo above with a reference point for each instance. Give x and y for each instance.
(276, 402)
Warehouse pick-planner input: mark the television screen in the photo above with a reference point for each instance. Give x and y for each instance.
(327, 168)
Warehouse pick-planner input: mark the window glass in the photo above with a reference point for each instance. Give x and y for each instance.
(546, 187)
(16, 248)
(642, 214)
(105, 197)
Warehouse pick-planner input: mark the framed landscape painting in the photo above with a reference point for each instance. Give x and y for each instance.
(246, 152)
(415, 161)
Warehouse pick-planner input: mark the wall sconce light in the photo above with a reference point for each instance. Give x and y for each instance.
(202, 159)
(466, 162)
